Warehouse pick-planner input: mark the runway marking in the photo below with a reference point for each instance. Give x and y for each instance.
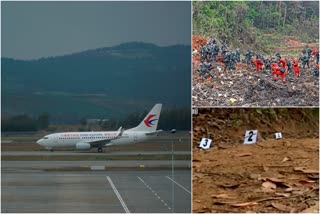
(72, 175)
(155, 194)
(178, 184)
(118, 195)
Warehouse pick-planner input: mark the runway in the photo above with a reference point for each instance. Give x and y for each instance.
(59, 153)
(96, 191)
(12, 165)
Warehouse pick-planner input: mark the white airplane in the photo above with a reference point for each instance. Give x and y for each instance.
(87, 140)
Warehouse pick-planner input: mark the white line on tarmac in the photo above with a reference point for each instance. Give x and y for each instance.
(118, 195)
(72, 176)
(155, 194)
(179, 184)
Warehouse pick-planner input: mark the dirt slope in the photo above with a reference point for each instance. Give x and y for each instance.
(230, 176)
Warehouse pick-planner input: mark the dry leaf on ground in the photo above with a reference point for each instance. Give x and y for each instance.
(269, 185)
(281, 207)
(224, 196)
(285, 159)
(229, 185)
(283, 194)
(244, 204)
(244, 154)
(275, 180)
(304, 170)
(307, 181)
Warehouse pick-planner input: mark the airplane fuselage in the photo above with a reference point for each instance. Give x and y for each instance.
(73, 138)
(87, 140)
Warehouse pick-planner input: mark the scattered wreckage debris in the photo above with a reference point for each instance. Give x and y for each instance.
(221, 78)
(245, 88)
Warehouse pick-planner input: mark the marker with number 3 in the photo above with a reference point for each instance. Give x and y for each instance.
(205, 143)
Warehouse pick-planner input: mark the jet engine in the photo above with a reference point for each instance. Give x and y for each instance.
(83, 146)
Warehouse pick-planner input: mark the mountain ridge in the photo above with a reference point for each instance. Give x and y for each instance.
(139, 72)
(118, 47)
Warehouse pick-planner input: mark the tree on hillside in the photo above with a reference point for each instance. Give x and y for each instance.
(174, 118)
(19, 123)
(240, 22)
(43, 121)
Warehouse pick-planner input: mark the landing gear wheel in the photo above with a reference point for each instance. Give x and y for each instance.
(99, 149)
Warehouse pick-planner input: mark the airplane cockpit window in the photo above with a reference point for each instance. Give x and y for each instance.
(45, 138)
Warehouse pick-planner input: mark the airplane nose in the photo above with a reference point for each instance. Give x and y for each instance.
(40, 142)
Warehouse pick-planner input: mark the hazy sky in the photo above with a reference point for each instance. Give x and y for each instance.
(39, 29)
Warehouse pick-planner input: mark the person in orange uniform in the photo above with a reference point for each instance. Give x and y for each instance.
(296, 68)
(283, 73)
(258, 63)
(283, 63)
(283, 69)
(278, 71)
(275, 68)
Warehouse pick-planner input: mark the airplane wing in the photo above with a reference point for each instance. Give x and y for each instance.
(154, 133)
(98, 143)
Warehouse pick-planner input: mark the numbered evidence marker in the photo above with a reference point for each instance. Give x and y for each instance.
(250, 137)
(277, 135)
(195, 111)
(205, 143)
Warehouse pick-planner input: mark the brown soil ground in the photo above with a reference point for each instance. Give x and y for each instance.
(230, 176)
(246, 167)
(290, 43)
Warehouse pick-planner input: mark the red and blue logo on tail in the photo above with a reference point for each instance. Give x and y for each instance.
(149, 120)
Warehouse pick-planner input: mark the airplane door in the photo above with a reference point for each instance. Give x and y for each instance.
(135, 137)
(55, 139)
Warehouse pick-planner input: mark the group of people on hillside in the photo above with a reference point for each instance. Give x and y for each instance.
(278, 65)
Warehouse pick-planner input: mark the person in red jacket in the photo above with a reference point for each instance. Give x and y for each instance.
(258, 63)
(315, 53)
(275, 68)
(296, 68)
(283, 73)
(283, 63)
(278, 71)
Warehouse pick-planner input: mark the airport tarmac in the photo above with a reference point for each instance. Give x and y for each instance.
(12, 165)
(95, 191)
(59, 153)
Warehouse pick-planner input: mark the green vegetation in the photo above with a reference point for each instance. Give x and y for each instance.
(247, 24)
(24, 123)
(170, 118)
(100, 83)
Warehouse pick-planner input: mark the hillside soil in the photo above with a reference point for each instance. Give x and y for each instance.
(247, 87)
(225, 178)
(274, 176)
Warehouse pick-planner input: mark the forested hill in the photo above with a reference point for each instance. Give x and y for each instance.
(99, 83)
(253, 24)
